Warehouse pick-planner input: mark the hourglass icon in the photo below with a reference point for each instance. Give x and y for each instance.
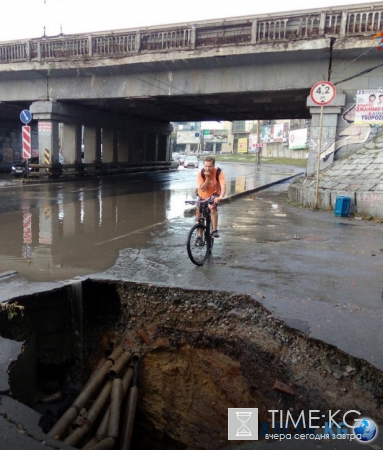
(243, 417)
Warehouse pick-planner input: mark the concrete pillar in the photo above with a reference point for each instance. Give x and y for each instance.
(71, 143)
(168, 149)
(108, 145)
(328, 133)
(48, 131)
(92, 144)
(254, 25)
(131, 141)
(123, 146)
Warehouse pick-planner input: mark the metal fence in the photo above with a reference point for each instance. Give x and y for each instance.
(366, 21)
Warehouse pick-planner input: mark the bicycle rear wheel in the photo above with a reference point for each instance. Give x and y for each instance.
(198, 249)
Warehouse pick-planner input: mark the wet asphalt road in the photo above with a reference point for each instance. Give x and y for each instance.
(319, 273)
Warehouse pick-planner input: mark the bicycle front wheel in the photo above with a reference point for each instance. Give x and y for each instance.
(209, 238)
(198, 249)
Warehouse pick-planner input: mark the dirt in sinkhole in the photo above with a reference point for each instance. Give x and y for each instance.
(203, 352)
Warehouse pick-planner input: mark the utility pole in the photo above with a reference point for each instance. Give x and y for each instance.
(258, 148)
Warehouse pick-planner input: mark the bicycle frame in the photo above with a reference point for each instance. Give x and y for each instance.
(200, 242)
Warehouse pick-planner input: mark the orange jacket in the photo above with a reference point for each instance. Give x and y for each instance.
(214, 185)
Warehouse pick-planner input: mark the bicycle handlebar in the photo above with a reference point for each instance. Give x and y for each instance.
(209, 201)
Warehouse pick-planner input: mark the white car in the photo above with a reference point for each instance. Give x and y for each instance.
(191, 161)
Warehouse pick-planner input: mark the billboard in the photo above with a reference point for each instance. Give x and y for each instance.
(274, 132)
(242, 145)
(253, 141)
(369, 106)
(188, 137)
(215, 136)
(298, 139)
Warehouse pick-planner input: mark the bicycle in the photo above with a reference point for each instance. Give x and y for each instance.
(200, 241)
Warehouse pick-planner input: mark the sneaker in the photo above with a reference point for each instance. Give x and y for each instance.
(199, 242)
(215, 234)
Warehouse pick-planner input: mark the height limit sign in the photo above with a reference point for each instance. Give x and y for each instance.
(323, 93)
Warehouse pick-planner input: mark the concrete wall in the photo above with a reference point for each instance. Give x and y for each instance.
(281, 150)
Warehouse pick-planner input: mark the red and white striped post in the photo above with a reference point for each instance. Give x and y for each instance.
(26, 133)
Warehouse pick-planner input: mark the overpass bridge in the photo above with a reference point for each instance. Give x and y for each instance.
(124, 87)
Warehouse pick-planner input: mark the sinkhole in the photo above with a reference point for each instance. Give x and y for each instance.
(192, 354)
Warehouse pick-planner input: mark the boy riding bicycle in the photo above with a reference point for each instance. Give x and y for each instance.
(211, 182)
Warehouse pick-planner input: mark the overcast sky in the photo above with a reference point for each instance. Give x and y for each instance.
(22, 19)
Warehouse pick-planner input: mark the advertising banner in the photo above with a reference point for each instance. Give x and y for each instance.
(215, 136)
(242, 145)
(298, 139)
(188, 137)
(253, 141)
(274, 132)
(369, 106)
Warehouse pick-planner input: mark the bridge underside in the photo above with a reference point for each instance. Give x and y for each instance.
(286, 104)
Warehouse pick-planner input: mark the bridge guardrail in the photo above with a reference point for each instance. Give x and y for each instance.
(94, 169)
(250, 30)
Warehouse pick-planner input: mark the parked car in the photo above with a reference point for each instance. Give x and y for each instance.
(191, 161)
(181, 159)
(19, 167)
(175, 162)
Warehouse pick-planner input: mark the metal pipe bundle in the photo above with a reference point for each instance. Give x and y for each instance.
(109, 383)
(59, 430)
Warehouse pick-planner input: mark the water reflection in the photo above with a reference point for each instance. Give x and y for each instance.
(61, 240)
(55, 232)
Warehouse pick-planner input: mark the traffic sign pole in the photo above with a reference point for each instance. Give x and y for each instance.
(322, 93)
(319, 152)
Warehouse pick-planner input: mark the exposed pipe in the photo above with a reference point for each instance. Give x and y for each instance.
(121, 363)
(102, 429)
(59, 429)
(114, 417)
(79, 433)
(127, 378)
(100, 433)
(130, 412)
(105, 444)
(115, 408)
(136, 357)
(98, 405)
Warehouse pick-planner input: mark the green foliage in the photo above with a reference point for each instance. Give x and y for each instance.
(11, 314)
(10, 310)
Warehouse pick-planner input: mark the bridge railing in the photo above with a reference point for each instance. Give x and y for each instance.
(78, 170)
(250, 30)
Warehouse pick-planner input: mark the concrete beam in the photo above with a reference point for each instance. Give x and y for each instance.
(47, 110)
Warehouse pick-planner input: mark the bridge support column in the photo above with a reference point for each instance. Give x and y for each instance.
(92, 144)
(331, 115)
(71, 143)
(109, 147)
(48, 131)
(123, 146)
(106, 138)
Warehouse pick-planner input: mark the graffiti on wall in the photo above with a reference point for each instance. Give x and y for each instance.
(354, 134)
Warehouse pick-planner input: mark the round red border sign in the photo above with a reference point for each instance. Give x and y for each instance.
(323, 93)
